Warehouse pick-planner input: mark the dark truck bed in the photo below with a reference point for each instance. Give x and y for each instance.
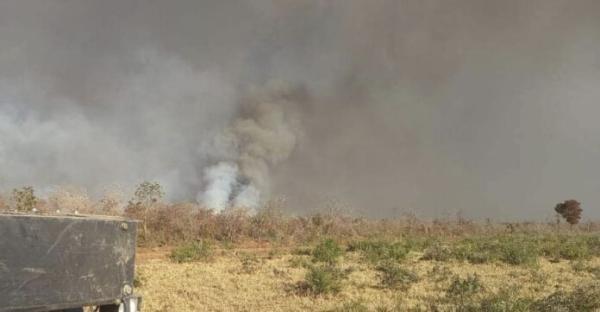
(60, 262)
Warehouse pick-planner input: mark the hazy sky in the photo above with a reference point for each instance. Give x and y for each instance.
(487, 107)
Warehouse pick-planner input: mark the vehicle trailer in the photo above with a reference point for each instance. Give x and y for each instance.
(65, 263)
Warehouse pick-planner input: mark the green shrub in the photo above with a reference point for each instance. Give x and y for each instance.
(376, 251)
(194, 251)
(575, 248)
(476, 251)
(550, 248)
(327, 251)
(323, 279)
(393, 276)
(518, 251)
(593, 244)
(511, 249)
(462, 250)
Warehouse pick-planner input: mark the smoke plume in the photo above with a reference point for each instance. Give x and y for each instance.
(259, 139)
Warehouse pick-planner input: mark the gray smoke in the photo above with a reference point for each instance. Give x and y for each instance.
(263, 136)
(152, 127)
(484, 107)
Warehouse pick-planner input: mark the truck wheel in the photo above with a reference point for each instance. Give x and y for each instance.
(109, 308)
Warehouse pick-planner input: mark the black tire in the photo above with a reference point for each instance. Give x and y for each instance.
(109, 308)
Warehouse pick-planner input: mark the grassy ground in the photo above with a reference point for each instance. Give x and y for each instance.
(271, 279)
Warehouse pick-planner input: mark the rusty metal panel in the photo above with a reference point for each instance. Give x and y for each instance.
(52, 262)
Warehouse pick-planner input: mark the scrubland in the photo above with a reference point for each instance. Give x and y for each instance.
(193, 260)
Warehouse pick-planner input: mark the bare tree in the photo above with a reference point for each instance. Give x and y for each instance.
(146, 195)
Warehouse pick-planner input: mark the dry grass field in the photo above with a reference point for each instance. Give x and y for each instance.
(273, 279)
(194, 259)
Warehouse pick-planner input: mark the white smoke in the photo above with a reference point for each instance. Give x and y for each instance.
(221, 180)
(263, 136)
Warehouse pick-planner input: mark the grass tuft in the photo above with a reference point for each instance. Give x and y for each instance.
(190, 252)
(353, 306)
(585, 298)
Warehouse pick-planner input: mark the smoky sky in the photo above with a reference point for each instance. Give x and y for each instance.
(485, 107)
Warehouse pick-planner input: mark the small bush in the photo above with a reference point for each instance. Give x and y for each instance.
(194, 251)
(437, 252)
(393, 276)
(475, 251)
(463, 293)
(24, 199)
(327, 251)
(376, 251)
(323, 279)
